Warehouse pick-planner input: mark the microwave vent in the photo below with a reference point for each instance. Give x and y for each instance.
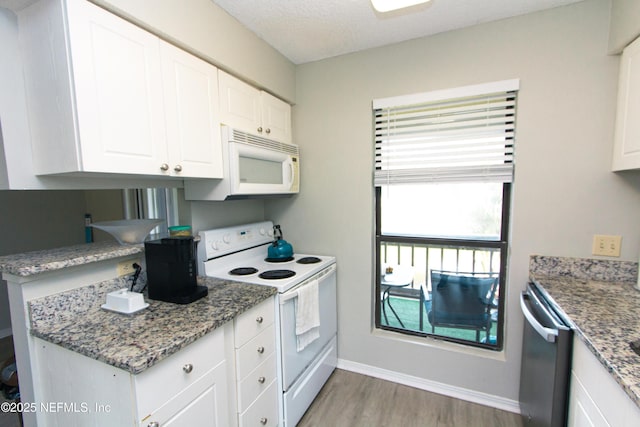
(269, 144)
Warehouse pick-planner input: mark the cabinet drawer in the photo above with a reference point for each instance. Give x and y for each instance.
(254, 321)
(204, 400)
(264, 411)
(161, 382)
(256, 382)
(253, 353)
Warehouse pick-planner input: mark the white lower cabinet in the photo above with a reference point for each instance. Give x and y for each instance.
(226, 378)
(595, 398)
(188, 388)
(255, 356)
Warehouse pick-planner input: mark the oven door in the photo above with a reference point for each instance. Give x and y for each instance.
(255, 170)
(294, 363)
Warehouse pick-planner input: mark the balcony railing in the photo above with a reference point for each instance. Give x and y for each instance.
(409, 286)
(423, 258)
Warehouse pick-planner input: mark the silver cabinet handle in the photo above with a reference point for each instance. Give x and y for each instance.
(261, 380)
(260, 349)
(187, 368)
(153, 424)
(178, 168)
(260, 129)
(164, 167)
(263, 421)
(259, 319)
(268, 131)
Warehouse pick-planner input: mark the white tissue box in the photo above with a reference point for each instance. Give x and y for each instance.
(125, 301)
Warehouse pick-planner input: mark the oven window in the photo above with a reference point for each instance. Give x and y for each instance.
(260, 171)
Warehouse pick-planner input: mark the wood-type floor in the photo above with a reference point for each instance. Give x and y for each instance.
(353, 400)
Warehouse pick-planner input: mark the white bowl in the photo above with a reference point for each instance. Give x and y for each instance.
(128, 231)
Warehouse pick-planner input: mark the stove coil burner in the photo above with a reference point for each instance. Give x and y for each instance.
(276, 260)
(243, 271)
(309, 260)
(276, 274)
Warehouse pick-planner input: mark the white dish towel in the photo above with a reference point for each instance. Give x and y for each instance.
(307, 315)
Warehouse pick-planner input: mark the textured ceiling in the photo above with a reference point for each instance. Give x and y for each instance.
(310, 30)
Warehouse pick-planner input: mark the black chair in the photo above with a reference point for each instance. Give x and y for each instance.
(462, 300)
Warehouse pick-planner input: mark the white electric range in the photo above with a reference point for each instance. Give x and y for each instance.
(239, 253)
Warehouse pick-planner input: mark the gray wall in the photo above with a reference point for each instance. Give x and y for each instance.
(208, 215)
(35, 220)
(564, 191)
(625, 23)
(205, 29)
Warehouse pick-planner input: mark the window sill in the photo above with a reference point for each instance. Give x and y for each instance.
(498, 355)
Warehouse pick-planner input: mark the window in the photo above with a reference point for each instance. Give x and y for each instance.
(443, 176)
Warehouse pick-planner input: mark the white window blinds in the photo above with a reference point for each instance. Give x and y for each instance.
(464, 134)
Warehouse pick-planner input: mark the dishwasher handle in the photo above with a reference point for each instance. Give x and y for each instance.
(549, 334)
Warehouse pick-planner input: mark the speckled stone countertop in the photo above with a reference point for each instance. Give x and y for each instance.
(599, 298)
(75, 320)
(30, 263)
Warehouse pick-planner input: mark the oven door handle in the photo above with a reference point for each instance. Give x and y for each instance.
(548, 334)
(294, 292)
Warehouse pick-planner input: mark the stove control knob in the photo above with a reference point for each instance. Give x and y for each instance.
(215, 245)
(227, 238)
(263, 231)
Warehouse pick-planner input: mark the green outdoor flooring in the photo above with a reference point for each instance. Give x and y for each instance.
(408, 311)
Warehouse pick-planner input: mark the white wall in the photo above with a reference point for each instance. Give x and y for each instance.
(563, 192)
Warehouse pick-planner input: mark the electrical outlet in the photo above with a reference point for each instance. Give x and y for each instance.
(606, 245)
(125, 268)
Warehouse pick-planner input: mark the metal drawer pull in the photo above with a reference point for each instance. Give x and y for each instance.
(260, 129)
(263, 420)
(164, 167)
(260, 349)
(188, 368)
(259, 319)
(153, 424)
(261, 380)
(268, 130)
(178, 168)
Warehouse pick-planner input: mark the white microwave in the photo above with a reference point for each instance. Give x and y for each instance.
(254, 166)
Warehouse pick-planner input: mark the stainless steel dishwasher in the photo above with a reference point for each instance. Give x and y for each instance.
(546, 361)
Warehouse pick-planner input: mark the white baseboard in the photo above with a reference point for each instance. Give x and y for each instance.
(432, 386)
(5, 332)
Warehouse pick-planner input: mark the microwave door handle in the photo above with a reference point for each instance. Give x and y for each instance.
(289, 180)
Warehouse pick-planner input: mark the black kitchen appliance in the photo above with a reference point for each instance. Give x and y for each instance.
(546, 361)
(171, 270)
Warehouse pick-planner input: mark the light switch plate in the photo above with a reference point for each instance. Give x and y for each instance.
(606, 245)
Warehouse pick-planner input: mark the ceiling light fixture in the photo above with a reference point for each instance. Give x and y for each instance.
(389, 5)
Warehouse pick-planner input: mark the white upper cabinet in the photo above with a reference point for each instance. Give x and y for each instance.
(626, 150)
(106, 96)
(254, 111)
(191, 106)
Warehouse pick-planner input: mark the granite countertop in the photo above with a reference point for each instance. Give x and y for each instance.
(75, 320)
(30, 263)
(599, 299)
